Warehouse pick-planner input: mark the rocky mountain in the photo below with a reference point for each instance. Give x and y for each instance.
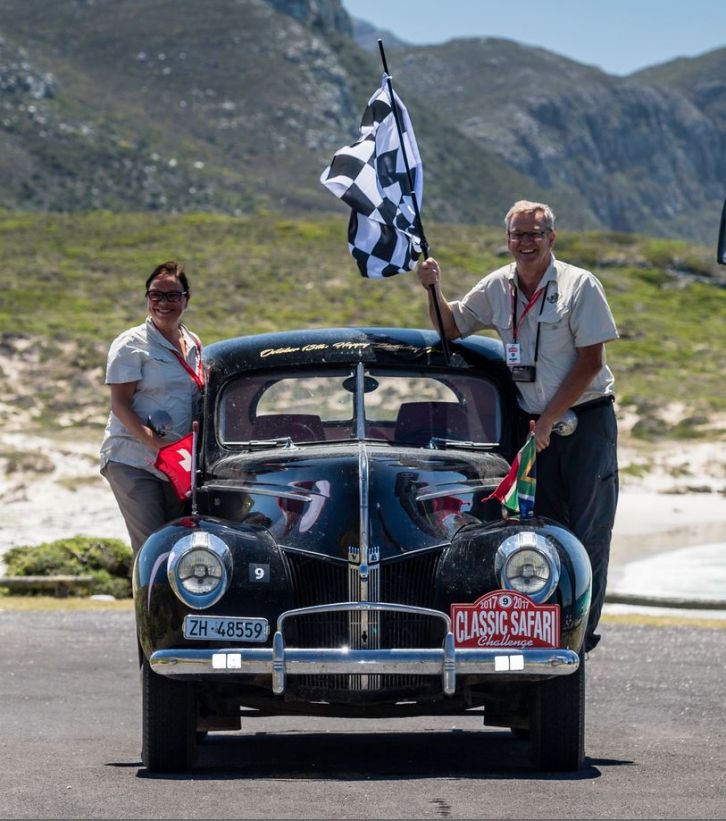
(238, 105)
(644, 153)
(366, 35)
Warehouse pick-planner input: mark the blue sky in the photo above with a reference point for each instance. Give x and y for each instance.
(619, 36)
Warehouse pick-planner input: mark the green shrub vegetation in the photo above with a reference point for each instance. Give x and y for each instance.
(107, 560)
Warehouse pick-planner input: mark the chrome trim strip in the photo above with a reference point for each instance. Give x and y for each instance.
(193, 477)
(364, 570)
(278, 664)
(446, 661)
(152, 576)
(449, 664)
(302, 496)
(363, 510)
(360, 415)
(339, 607)
(451, 491)
(422, 662)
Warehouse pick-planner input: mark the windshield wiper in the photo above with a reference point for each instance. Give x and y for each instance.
(260, 444)
(440, 442)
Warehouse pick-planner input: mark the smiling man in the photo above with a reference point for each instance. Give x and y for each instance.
(554, 321)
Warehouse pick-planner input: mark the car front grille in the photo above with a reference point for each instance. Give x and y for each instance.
(405, 580)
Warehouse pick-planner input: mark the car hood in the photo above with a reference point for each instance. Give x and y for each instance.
(330, 499)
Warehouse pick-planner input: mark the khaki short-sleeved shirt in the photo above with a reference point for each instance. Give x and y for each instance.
(575, 314)
(144, 356)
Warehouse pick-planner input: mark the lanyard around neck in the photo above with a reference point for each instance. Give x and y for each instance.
(198, 375)
(529, 307)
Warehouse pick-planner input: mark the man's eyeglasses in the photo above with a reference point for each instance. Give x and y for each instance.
(518, 236)
(169, 296)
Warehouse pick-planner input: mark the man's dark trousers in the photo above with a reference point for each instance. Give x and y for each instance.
(577, 486)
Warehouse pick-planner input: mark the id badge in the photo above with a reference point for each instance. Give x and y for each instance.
(524, 373)
(512, 353)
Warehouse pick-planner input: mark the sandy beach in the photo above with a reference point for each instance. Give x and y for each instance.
(680, 502)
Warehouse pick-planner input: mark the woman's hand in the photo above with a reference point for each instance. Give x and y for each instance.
(121, 405)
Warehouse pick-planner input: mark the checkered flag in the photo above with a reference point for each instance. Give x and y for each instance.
(370, 176)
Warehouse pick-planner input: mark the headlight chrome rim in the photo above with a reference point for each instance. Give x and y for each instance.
(218, 555)
(516, 547)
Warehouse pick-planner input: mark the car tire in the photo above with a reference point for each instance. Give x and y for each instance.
(557, 722)
(169, 719)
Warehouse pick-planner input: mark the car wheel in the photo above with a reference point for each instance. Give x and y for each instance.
(169, 719)
(557, 723)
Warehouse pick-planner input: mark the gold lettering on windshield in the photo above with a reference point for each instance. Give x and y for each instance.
(349, 346)
(346, 345)
(277, 351)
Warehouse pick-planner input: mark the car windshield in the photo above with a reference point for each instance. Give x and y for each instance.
(398, 406)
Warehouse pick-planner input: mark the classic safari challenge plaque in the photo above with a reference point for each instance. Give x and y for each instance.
(504, 618)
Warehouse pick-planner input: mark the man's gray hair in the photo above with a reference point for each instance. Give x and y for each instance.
(527, 207)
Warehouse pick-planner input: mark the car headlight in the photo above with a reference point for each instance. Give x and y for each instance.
(199, 569)
(528, 563)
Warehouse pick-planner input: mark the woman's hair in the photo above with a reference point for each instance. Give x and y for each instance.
(174, 269)
(527, 207)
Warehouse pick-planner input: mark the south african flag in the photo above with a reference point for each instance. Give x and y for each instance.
(516, 491)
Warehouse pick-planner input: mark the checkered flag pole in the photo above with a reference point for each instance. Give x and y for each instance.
(380, 177)
(414, 200)
(409, 176)
(370, 177)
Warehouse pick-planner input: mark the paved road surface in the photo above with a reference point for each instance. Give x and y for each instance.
(70, 719)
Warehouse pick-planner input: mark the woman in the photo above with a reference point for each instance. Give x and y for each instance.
(153, 369)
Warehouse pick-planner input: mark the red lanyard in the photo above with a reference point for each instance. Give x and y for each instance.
(198, 375)
(530, 304)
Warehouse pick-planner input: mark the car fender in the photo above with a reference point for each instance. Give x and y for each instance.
(259, 585)
(466, 570)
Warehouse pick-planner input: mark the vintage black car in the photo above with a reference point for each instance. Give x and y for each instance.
(341, 557)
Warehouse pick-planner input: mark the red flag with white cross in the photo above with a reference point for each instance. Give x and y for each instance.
(175, 460)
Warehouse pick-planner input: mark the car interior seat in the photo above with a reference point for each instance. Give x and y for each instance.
(300, 427)
(417, 422)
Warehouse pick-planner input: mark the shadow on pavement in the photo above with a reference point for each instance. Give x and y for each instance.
(370, 757)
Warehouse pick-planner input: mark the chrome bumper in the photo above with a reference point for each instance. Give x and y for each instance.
(447, 661)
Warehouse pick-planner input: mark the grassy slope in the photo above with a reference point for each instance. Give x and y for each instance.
(79, 279)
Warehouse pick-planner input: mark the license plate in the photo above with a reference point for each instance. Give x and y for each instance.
(229, 628)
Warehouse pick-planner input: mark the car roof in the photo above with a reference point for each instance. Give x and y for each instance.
(374, 346)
